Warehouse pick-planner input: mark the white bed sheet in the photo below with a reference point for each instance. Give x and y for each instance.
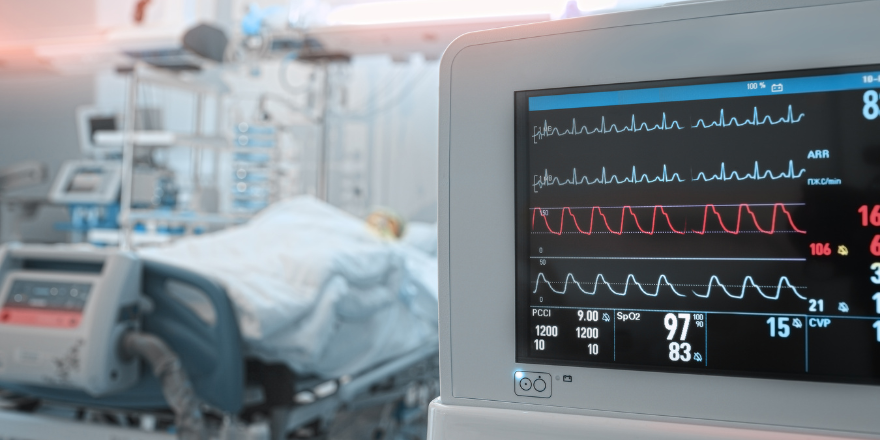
(316, 289)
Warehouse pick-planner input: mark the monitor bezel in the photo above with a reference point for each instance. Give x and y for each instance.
(479, 74)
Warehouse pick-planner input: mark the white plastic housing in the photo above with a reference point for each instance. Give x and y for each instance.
(84, 356)
(480, 73)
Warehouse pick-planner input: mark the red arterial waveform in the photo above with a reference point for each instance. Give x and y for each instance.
(777, 207)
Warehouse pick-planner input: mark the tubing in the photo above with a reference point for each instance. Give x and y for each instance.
(176, 387)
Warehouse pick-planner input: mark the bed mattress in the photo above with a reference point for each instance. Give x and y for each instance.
(314, 288)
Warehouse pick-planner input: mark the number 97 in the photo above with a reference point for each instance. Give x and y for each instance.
(671, 324)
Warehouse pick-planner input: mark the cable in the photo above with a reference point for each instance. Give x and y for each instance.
(282, 75)
(176, 386)
(394, 78)
(391, 103)
(268, 96)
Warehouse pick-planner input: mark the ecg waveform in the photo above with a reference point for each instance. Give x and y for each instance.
(754, 175)
(748, 282)
(547, 179)
(547, 130)
(756, 120)
(777, 207)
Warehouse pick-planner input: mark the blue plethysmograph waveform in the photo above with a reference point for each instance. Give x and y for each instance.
(546, 130)
(755, 120)
(714, 282)
(540, 181)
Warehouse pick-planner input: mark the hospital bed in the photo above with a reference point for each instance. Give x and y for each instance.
(223, 388)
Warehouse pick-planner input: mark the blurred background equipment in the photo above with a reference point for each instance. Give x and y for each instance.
(22, 175)
(226, 161)
(16, 209)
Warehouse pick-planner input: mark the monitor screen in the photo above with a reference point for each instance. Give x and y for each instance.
(726, 225)
(86, 181)
(99, 123)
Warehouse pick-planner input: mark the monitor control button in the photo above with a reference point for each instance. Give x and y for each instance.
(533, 384)
(540, 385)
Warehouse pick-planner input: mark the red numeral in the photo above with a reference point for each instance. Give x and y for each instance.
(875, 246)
(873, 219)
(822, 248)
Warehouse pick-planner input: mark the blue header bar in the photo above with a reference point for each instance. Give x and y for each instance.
(787, 86)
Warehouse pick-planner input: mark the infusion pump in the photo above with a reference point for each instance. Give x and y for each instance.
(62, 314)
(667, 216)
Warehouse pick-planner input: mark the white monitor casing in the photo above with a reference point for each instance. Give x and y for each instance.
(108, 176)
(85, 115)
(479, 74)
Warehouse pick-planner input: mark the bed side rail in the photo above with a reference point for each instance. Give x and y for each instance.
(195, 317)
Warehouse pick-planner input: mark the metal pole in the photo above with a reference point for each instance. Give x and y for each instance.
(128, 162)
(218, 132)
(323, 160)
(196, 157)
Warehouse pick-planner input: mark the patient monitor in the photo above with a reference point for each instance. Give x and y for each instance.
(87, 182)
(663, 223)
(62, 316)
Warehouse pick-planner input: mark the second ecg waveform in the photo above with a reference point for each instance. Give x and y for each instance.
(723, 175)
(711, 220)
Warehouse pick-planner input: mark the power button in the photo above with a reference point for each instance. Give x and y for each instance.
(540, 385)
(532, 384)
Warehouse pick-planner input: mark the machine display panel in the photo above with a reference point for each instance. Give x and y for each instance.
(86, 181)
(726, 225)
(55, 304)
